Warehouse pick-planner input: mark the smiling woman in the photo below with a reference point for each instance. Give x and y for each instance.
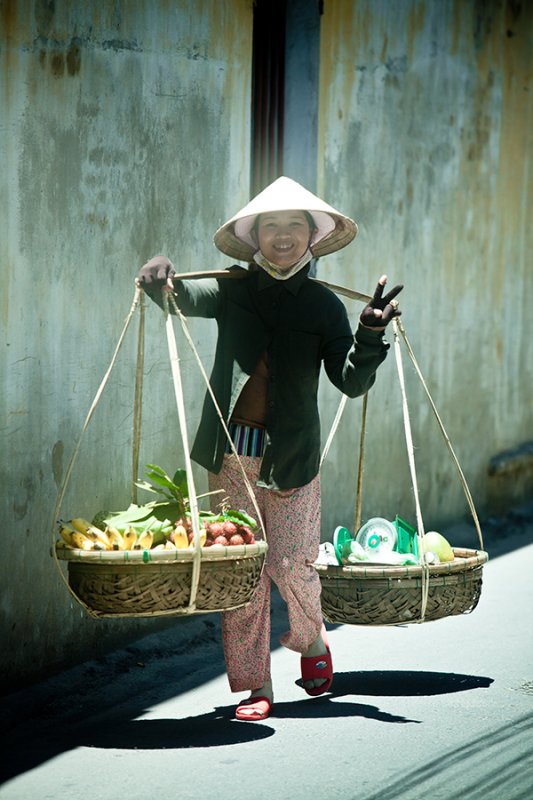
(284, 237)
(276, 329)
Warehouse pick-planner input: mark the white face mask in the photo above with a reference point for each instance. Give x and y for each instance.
(280, 274)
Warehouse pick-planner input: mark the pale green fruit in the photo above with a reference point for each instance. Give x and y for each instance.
(434, 542)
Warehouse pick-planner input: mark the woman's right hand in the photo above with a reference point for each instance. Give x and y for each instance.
(156, 273)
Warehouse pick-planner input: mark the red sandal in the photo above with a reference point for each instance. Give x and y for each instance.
(316, 667)
(253, 709)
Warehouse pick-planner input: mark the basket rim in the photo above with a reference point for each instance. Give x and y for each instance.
(216, 552)
(465, 560)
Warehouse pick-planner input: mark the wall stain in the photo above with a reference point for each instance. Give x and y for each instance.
(44, 15)
(73, 58)
(58, 451)
(57, 65)
(60, 56)
(8, 16)
(25, 494)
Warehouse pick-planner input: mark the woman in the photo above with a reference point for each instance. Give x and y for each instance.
(276, 328)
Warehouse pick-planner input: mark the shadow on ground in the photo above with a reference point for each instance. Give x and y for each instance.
(41, 721)
(118, 729)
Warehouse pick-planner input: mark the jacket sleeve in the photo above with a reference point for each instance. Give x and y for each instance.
(351, 361)
(198, 298)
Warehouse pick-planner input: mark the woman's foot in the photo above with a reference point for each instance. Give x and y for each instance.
(258, 706)
(317, 667)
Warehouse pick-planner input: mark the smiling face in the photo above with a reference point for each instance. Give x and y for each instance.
(283, 237)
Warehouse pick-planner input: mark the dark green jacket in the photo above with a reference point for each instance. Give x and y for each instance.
(302, 325)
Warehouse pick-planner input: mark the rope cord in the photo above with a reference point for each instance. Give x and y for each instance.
(445, 435)
(68, 472)
(137, 402)
(412, 469)
(359, 490)
(333, 429)
(193, 500)
(246, 480)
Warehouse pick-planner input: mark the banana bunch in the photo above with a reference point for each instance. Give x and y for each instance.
(80, 534)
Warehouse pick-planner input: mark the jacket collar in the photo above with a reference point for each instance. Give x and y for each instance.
(293, 285)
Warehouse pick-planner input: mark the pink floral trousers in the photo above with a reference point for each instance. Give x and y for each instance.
(292, 522)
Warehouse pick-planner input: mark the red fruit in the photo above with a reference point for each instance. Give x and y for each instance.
(221, 540)
(229, 528)
(246, 534)
(215, 529)
(236, 539)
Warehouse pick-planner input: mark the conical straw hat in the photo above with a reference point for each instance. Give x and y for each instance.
(334, 230)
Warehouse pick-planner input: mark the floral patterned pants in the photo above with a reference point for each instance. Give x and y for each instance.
(292, 522)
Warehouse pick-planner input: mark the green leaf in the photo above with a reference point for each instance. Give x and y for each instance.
(161, 478)
(167, 511)
(156, 516)
(147, 486)
(180, 481)
(241, 517)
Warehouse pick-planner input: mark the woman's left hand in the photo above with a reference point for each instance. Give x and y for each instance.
(381, 309)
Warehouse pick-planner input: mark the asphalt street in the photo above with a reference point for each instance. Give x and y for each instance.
(442, 710)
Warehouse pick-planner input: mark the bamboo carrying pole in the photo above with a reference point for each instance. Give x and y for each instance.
(174, 358)
(243, 273)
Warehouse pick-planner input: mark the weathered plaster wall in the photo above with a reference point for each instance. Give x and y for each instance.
(124, 132)
(425, 139)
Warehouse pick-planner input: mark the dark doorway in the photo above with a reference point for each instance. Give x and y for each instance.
(286, 50)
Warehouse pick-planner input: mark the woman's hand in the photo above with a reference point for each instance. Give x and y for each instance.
(156, 273)
(379, 312)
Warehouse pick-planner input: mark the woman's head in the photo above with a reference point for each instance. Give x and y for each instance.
(284, 237)
(328, 229)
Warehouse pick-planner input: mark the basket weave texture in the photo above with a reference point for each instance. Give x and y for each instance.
(376, 595)
(137, 587)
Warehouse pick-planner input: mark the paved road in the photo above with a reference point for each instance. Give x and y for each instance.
(440, 711)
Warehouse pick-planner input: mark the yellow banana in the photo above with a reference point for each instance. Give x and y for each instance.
(80, 524)
(98, 537)
(145, 540)
(82, 542)
(116, 540)
(61, 545)
(203, 537)
(167, 546)
(180, 538)
(130, 538)
(66, 534)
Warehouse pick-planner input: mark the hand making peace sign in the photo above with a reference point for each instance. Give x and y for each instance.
(381, 309)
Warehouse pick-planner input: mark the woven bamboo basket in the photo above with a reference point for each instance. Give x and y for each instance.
(142, 583)
(149, 583)
(377, 594)
(387, 595)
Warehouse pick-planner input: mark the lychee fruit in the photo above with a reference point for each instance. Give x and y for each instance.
(215, 529)
(229, 528)
(246, 534)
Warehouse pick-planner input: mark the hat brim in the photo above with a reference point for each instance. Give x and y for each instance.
(285, 195)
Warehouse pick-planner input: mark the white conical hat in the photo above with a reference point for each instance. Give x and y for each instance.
(334, 230)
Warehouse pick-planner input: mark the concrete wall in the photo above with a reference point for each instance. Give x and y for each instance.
(124, 132)
(425, 133)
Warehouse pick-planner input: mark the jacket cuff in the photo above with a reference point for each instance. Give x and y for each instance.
(369, 337)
